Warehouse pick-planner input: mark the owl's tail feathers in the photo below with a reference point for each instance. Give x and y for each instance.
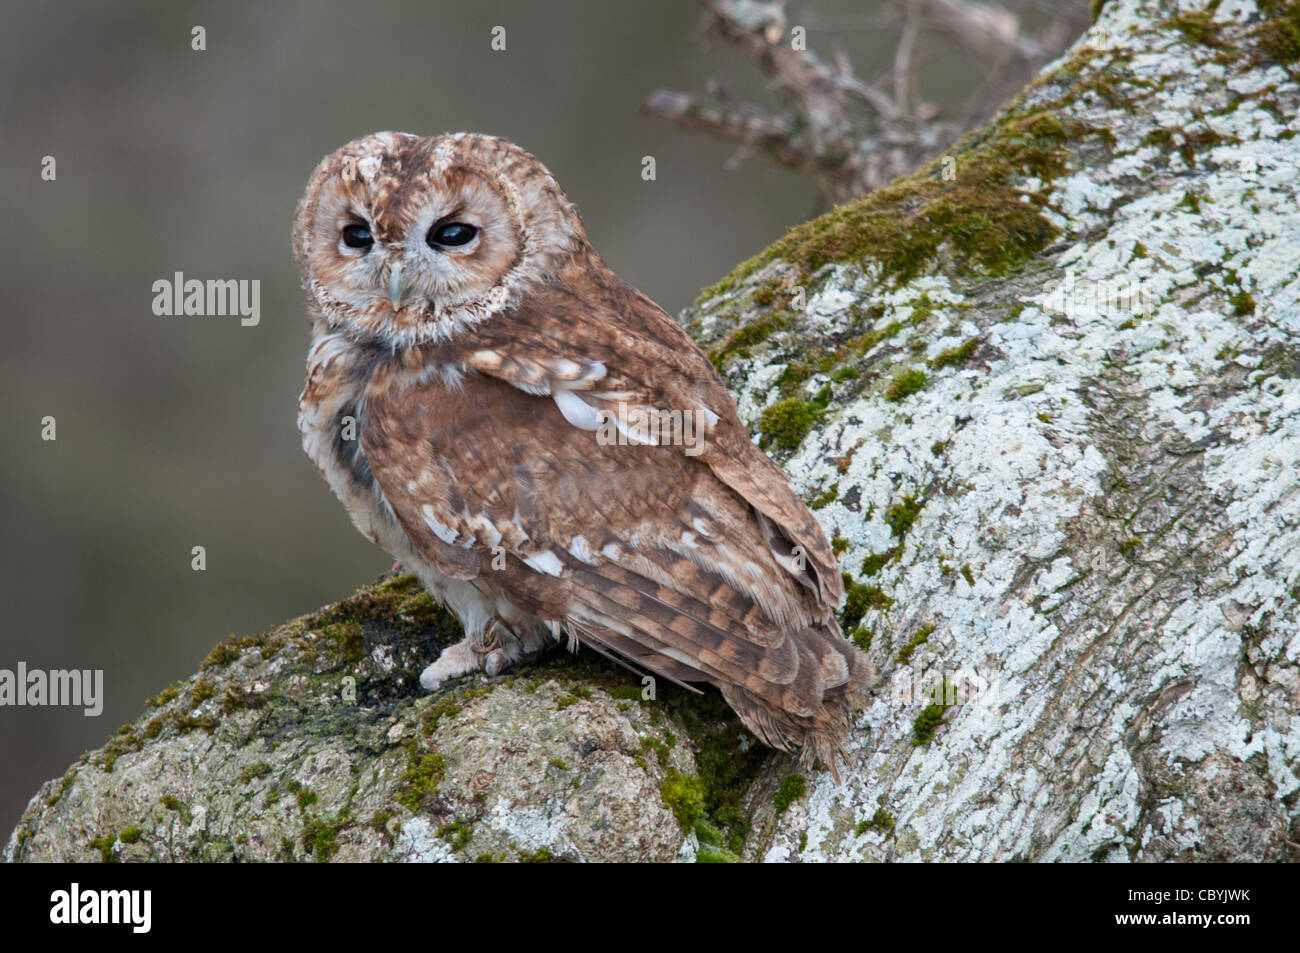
(812, 714)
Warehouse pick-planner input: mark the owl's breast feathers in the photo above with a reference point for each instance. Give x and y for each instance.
(580, 458)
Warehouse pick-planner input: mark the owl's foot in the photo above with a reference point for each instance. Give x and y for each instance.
(455, 661)
(496, 651)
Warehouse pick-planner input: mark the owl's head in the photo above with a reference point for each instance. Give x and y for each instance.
(404, 239)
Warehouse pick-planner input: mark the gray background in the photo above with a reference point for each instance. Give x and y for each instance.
(176, 432)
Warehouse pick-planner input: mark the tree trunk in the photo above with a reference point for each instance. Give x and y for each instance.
(1045, 394)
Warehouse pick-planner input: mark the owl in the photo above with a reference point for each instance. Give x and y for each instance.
(546, 449)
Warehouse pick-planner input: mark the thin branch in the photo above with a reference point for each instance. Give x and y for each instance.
(733, 123)
(903, 58)
(849, 135)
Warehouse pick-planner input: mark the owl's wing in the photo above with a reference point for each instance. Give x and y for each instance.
(684, 563)
(638, 550)
(608, 353)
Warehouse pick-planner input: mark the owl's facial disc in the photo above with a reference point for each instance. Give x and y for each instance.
(406, 239)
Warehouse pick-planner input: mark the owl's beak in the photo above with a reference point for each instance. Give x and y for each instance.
(396, 287)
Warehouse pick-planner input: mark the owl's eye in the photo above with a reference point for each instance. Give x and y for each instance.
(357, 236)
(453, 233)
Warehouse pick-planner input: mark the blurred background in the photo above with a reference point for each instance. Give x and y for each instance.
(177, 432)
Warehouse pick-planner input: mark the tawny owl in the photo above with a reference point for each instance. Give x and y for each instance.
(548, 450)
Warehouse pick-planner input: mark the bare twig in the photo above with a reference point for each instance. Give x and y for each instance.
(850, 136)
(903, 58)
(771, 135)
(985, 32)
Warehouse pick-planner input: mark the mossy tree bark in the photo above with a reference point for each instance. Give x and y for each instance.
(1045, 395)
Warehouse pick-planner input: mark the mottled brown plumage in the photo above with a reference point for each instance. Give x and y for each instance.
(547, 449)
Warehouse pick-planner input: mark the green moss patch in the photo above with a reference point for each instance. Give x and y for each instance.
(788, 421)
(712, 801)
(901, 515)
(105, 847)
(905, 384)
(825, 498)
(982, 215)
(874, 562)
(320, 835)
(919, 638)
(424, 771)
(684, 795)
(226, 652)
(955, 356)
(458, 833)
(1198, 27)
(858, 599)
(254, 771)
(882, 822)
(792, 788)
(740, 342)
(926, 724)
(397, 607)
(1279, 35)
